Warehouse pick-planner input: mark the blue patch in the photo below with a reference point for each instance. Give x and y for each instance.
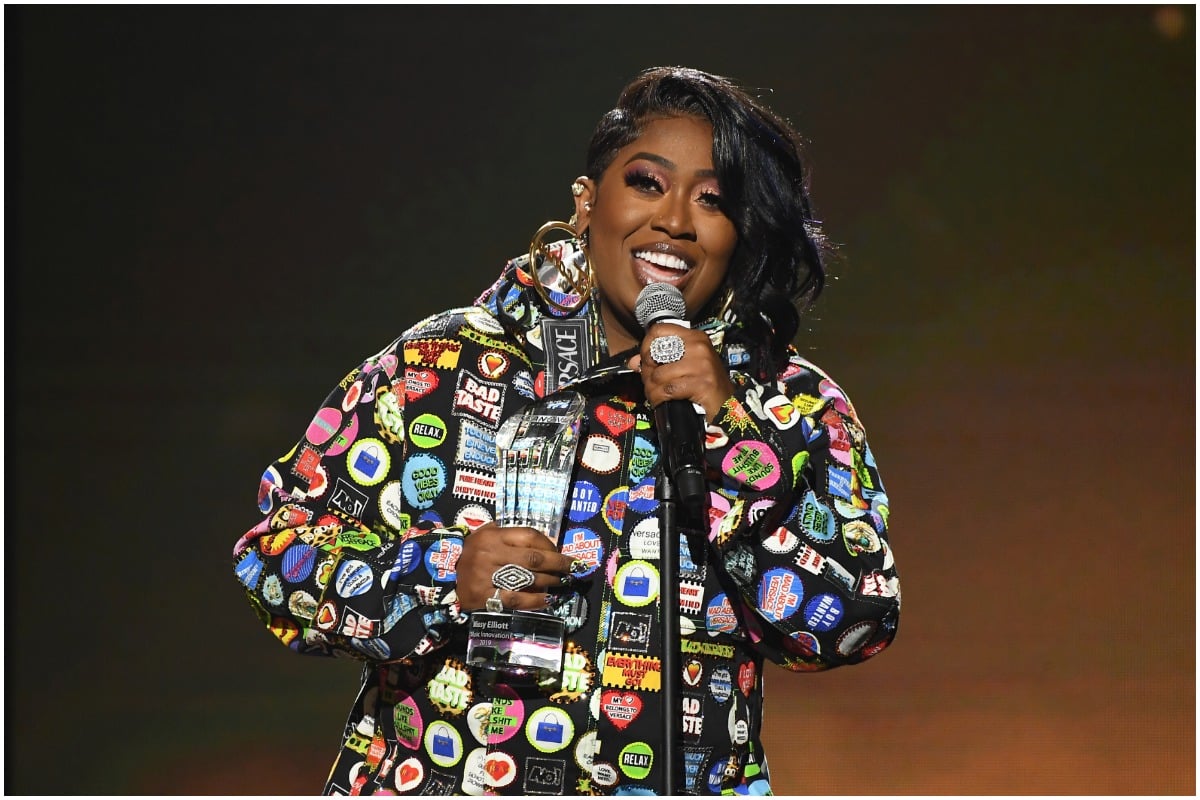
(719, 616)
(249, 569)
(585, 545)
(397, 607)
(407, 558)
(424, 480)
(522, 382)
(780, 593)
(298, 562)
(634, 791)
(643, 458)
(817, 520)
(641, 497)
(839, 482)
(441, 559)
(433, 518)
(715, 775)
(585, 501)
(823, 612)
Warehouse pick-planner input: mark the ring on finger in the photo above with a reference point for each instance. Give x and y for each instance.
(666, 349)
(493, 603)
(513, 577)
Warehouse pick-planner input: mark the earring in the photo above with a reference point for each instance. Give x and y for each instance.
(726, 305)
(576, 271)
(577, 188)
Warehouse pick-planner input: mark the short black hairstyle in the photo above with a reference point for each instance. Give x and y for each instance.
(778, 266)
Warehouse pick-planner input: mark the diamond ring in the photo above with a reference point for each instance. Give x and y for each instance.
(493, 603)
(513, 577)
(666, 349)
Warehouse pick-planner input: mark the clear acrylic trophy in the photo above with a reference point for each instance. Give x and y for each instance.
(536, 454)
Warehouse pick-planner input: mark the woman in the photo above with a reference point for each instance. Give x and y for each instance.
(380, 536)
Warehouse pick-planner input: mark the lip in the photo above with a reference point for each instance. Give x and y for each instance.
(648, 272)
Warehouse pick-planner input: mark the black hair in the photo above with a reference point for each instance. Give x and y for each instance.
(778, 266)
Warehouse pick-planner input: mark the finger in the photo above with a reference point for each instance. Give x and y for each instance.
(525, 600)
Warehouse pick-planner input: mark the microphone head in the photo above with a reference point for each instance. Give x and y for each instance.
(658, 302)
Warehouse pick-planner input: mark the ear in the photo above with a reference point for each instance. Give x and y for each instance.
(583, 203)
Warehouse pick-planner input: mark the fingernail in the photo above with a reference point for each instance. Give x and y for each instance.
(566, 580)
(579, 565)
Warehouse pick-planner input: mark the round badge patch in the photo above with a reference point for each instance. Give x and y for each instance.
(409, 774)
(753, 464)
(323, 426)
(424, 480)
(474, 782)
(443, 744)
(822, 612)
(427, 431)
(472, 516)
(344, 439)
(643, 458)
(644, 540)
(816, 520)
(781, 541)
(601, 454)
(391, 506)
(583, 544)
(368, 461)
(719, 616)
(507, 714)
(493, 364)
(779, 594)
(635, 760)
(721, 684)
(549, 730)
(442, 557)
(636, 583)
(641, 497)
(855, 637)
(585, 501)
(298, 562)
(409, 726)
(614, 509)
(353, 578)
(500, 768)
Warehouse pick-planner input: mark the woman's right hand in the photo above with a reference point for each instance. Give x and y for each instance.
(489, 547)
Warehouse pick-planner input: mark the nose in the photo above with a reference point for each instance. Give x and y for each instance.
(674, 217)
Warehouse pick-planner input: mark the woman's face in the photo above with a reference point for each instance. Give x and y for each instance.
(653, 217)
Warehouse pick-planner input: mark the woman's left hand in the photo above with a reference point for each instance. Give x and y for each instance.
(699, 376)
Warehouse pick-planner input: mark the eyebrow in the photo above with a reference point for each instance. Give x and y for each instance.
(669, 164)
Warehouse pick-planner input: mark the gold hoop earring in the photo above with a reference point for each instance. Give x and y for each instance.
(727, 305)
(576, 275)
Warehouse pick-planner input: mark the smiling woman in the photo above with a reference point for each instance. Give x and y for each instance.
(476, 511)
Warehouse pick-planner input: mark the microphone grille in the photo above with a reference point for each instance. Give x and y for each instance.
(657, 302)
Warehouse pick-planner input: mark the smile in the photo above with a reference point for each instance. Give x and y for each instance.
(665, 260)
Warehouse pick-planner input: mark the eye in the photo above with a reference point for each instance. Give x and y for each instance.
(709, 198)
(643, 181)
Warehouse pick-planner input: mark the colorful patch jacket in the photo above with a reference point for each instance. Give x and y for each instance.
(364, 520)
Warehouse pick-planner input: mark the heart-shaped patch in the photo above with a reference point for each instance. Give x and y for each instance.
(621, 708)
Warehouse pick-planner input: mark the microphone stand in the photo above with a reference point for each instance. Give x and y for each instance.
(664, 492)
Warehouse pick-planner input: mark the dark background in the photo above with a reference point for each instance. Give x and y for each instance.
(214, 212)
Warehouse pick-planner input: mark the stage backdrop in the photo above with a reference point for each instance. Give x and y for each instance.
(214, 212)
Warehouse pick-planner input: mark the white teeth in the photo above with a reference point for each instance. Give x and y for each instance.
(662, 259)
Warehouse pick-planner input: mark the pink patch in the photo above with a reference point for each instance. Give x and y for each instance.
(753, 464)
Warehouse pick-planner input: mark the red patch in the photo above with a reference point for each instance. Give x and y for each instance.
(621, 708)
(616, 421)
(418, 383)
(497, 768)
(746, 678)
(539, 384)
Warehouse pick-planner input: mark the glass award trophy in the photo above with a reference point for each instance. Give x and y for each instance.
(536, 455)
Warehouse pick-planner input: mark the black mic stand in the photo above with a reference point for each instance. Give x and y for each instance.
(668, 508)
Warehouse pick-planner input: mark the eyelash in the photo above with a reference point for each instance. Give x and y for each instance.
(645, 181)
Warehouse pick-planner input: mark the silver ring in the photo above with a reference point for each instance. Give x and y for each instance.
(513, 577)
(666, 349)
(493, 603)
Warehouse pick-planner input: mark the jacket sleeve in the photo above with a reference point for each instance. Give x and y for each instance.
(800, 521)
(338, 564)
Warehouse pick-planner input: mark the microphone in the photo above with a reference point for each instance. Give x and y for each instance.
(679, 422)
